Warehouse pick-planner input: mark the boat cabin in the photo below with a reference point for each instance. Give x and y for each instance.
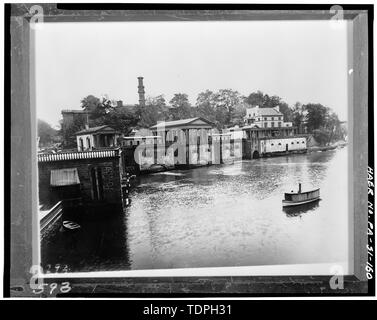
(297, 198)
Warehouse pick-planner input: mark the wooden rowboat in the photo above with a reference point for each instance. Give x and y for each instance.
(70, 225)
(300, 197)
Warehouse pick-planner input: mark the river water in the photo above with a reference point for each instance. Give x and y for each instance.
(218, 216)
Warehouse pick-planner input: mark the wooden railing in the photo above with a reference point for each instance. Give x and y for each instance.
(78, 155)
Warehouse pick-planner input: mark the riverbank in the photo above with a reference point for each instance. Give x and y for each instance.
(338, 144)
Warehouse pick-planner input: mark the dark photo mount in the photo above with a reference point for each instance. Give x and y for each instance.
(21, 200)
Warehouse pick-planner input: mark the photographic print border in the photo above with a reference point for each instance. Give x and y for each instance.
(21, 127)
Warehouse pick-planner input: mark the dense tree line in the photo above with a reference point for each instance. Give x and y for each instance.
(46, 133)
(225, 108)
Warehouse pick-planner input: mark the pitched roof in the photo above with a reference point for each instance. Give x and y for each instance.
(180, 122)
(94, 130)
(267, 111)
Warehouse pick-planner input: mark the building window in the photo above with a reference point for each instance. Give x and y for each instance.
(298, 142)
(81, 141)
(292, 142)
(272, 124)
(279, 124)
(265, 119)
(279, 144)
(272, 144)
(265, 124)
(303, 142)
(88, 142)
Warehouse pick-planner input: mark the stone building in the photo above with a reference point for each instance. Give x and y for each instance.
(179, 130)
(93, 176)
(191, 138)
(70, 116)
(261, 138)
(96, 138)
(265, 118)
(259, 142)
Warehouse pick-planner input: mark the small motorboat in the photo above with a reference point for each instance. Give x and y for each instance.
(70, 225)
(300, 197)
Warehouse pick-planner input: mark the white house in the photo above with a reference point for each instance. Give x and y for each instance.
(265, 117)
(96, 138)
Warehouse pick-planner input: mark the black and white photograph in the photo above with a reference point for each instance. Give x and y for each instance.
(251, 143)
(203, 143)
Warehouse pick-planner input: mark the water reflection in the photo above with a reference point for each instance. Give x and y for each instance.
(297, 211)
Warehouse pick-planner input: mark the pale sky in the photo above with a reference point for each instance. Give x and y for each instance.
(302, 61)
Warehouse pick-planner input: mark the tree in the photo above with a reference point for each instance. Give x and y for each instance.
(298, 116)
(227, 99)
(316, 116)
(255, 99)
(96, 106)
(286, 111)
(230, 107)
(46, 133)
(227, 103)
(154, 111)
(105, 107)
(90, 103)
(205, 105)
(68, 132)
(333, 125)
(119, 119)
(181, 107)
(265, 101)
(322, 135)
(237, 115)
(224, 107)
(158, 101)
(271, 101)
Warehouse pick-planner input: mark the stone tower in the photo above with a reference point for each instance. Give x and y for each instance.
(141, 92)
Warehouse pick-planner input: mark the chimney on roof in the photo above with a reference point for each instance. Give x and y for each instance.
(141, 92)
(119, 103)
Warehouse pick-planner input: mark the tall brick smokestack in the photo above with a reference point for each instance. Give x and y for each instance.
(141, 92)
